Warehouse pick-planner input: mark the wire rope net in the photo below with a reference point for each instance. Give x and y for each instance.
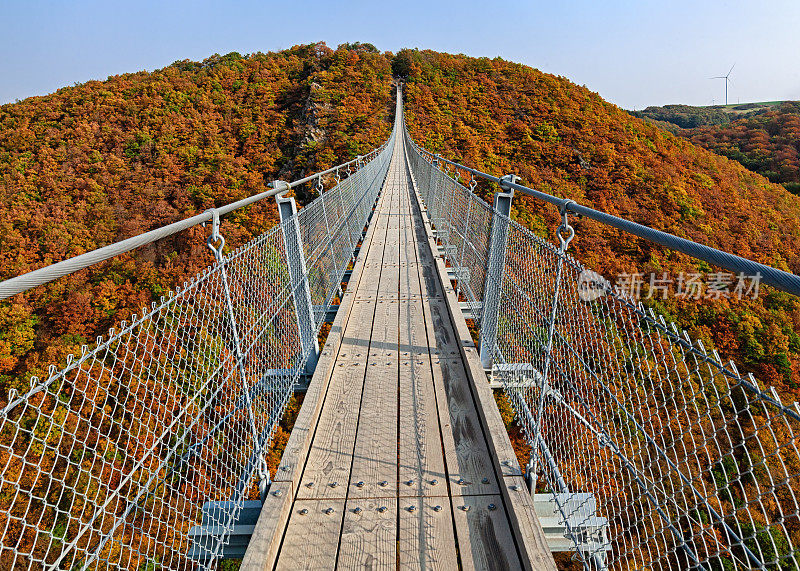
(142, 451)
(648, 451)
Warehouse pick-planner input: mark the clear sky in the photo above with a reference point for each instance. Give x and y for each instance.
(634, 53)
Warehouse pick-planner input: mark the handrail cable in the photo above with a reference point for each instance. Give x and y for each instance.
(49, 273)
(785, 281)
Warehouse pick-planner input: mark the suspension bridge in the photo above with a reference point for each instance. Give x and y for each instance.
(148, 449)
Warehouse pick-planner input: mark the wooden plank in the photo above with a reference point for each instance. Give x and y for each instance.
(369, 535)
(413, 340)
(413, 333)
(390, 275)
(374, 472)
(432, 287)
(409, 280)
(356, 337)
(470, 468)
(383, 341)
(299, 441)
(392, 248)
(421, 460)
(426, 538)
(525, 525)
(485, 540)
(520, 504)
(440, 329)
(371, 280)
(409, 270)
(499, 441)
(312, 539)
(266, 539)
(327, 469)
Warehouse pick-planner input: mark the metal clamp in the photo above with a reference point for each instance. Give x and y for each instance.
(215, 237)
(280, 185)
(565, 232)
(319, 185)
(263, 477)
(508, 178)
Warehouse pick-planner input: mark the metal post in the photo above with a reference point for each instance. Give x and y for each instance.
(494, 272)
(464, 243)
(448, 242)
(299, 280)
(328, 236)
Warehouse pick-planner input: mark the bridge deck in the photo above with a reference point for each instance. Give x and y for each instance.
(392, 462)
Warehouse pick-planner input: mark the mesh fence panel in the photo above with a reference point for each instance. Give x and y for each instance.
(141, 451)
(649, 450)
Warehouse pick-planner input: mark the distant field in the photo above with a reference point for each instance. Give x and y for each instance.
(745, 108)
(674, 117)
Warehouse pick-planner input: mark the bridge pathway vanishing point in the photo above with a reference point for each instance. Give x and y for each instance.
(398, 464)
(149, 448)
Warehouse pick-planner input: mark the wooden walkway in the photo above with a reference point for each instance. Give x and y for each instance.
(398, 459)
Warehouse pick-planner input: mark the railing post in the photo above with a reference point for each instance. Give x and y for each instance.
(295, 260)
(494, 272)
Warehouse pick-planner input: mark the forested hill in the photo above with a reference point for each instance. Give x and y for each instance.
(763, 137)
(767, 143)
(502, 117)
(102, 161)
(677, 117)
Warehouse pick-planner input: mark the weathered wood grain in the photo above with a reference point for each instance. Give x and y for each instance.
(268, 533)
(421, 460)
(485, 540)
(374, 472)
(312, 539)
(369, 535)
(327, 469)
(426, 537)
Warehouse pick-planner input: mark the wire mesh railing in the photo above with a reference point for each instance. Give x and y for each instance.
(652, 452)
(120, 458)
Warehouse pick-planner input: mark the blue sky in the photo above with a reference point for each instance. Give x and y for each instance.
(634, 53)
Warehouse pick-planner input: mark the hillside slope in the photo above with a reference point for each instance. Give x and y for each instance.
(103, 161)
(502, 117)
(676, 117)
(767, 143)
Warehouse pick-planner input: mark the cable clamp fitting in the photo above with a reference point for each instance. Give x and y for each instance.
(215, 240)
(565, 232)
(508, 178)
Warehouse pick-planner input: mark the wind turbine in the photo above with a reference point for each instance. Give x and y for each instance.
(727, 81)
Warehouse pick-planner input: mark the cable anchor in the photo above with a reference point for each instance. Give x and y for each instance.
(263, 477)
(565, 231)
(215, 240)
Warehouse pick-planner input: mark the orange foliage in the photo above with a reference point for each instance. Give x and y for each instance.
(501, 117)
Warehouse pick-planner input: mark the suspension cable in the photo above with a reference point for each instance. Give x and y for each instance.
(785, 281)
(49, 273)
